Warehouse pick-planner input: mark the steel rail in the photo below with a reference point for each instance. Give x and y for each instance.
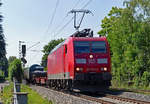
(126, 99)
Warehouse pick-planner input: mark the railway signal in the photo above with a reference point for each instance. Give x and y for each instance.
(22, 52)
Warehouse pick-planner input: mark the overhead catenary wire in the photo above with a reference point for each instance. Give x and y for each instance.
(87, 4)
(64, 19)
(52, 18)
(64, 26)
(33, 45)
(50, 24)
(61, 29)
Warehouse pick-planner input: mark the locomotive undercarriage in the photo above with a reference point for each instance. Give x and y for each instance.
(60, 84)
(91, 82)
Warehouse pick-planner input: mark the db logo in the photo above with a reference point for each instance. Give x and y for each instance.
(91, 61)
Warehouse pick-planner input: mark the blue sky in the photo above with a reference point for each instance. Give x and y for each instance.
(30, 21)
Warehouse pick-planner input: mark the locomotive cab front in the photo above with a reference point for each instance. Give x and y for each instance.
(92, 61)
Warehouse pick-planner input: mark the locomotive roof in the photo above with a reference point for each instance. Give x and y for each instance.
(79, 39)
(90, 38)
(103, 38)
(35, 66)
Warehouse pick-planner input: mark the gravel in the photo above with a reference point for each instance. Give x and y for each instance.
(65, 99)
(136, 96)
(59, 97)
(114, 101)
(131, 95)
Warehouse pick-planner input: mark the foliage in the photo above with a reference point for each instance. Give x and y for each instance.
(4, 66)
(7, 94)
(11, 59)
(47, 48)
(145, 78)
(2, 41)
(1, 74)
(15, 70)
(127, 30)
(3, 60)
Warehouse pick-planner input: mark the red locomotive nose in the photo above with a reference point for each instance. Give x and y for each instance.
(91, 56)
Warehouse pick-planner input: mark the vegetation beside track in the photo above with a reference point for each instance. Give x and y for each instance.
(129, 88)
(33, 97)
(7, 94)
(127, 30)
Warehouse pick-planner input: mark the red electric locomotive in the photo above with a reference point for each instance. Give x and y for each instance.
(80, 62)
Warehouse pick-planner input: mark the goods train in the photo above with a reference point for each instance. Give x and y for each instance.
(80, 62)
(35, 74)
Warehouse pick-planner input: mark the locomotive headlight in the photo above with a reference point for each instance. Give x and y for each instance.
(105, 69)
(79, 69)
(91, 56)
(81, 61)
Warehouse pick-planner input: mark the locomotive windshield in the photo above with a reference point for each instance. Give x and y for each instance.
(98, 47)
(82, 46)
(90, 47)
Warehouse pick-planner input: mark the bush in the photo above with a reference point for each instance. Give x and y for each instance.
(146, 78)
(15, 70)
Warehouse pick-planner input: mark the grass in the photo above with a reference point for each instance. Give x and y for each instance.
(126, 87)
(6, 96)
(33, 97)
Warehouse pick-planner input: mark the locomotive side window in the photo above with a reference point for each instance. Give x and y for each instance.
(82, 47)
(98, 47)
(65, 48)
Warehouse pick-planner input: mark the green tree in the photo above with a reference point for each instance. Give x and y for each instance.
(15, 70)
(47, 48)
(4, 66)
(127, 30)
(3, 60)
(145, 78)
(2, 41)
(11, 59)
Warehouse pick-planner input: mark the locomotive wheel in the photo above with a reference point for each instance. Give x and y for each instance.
(69, 85)
(34, 82)
(51, 83)
(55, 84)
(63, 84)
(59, 84)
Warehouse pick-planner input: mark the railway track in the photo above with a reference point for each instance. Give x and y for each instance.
(131, 90)
(134, 101)
(105, 99)
(94, 99)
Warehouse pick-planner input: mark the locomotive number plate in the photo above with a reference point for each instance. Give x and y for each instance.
(92, 61)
